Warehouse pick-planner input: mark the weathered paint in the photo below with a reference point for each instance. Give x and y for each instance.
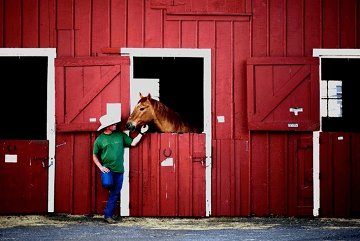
(234, 31)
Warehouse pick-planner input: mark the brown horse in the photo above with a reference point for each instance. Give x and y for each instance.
(164, 118)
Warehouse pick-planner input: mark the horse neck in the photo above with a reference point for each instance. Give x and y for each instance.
(165, 117)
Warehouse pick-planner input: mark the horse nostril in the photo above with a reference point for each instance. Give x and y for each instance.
(130, 126)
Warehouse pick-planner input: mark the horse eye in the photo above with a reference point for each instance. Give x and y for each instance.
(142, 109)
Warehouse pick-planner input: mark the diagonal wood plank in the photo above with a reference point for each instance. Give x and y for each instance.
(286, 90)
(95, 90)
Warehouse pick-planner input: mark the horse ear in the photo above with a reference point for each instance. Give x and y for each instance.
(149, 96)
(141, 96)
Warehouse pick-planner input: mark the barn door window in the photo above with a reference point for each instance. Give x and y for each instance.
(331, 98)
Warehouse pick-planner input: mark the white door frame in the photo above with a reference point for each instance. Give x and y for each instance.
(50, 53)
(324, 53)
(163, 52)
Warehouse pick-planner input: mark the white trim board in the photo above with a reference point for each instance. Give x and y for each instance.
(50, 53)
(163, 52)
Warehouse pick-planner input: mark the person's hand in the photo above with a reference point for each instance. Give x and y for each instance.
(104, 169)
(144, 129)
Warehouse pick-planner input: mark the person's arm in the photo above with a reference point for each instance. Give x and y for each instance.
(98, 164)
(137, 139)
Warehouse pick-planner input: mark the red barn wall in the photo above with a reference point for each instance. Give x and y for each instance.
(245, 164)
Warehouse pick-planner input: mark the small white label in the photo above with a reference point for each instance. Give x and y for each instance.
(293, 125)
(10, 158)
(92, 119)
(221, 119)
(340, 138)
(168, 162)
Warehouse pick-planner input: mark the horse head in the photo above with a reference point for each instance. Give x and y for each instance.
(142, 114)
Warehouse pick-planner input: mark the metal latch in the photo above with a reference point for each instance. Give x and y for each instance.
(43, 162)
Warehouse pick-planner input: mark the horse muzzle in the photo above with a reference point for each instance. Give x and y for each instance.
(130, 126)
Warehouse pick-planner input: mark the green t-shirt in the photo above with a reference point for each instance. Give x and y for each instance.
(111, 150)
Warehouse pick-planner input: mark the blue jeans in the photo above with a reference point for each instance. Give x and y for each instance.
(113, 182)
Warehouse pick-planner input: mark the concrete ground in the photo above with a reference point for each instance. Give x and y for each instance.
(93, 227)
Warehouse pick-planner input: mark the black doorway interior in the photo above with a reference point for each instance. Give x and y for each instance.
(23, 98)
(345, 70)
(181, 84)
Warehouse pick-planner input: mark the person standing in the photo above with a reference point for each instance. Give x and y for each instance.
(108, 156)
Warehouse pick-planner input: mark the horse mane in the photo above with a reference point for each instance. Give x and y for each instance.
(171, 116)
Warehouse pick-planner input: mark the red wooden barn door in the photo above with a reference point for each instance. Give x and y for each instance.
(23, 176)
(339, 174)
(84, 86)
(283, 95)
(167, 175)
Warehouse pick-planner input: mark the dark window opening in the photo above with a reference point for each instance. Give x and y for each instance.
(23, 98)
(339, 92)
(181, 84)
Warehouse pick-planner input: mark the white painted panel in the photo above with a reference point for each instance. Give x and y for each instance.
(144, 86)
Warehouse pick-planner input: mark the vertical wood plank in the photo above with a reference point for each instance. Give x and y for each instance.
(13, 24)
(91, 75)
(168, 191)
(46, 23)
(82, 168)
(189, 34)
(74, 89)
(241, 53)
(60, 95)
(118, 22)
(312, 26)
(259, 29)
(259, 174)
(64, 14)
(214, 179)
(153, 26)
(294, 28)
(172, 34)
(83, 20)
(135, 26)
(223, 80)
(185, 175)
(62, 177)
(135, 181)
(276, 28)
(198, 200)
(330, 24)
(100, 26)
(30, 25)
(278, 177)
(347, 24)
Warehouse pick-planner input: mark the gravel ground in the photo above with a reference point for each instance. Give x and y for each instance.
(91, 227)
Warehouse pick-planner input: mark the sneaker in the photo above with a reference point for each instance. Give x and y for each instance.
(110, 220)
(116, 218)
